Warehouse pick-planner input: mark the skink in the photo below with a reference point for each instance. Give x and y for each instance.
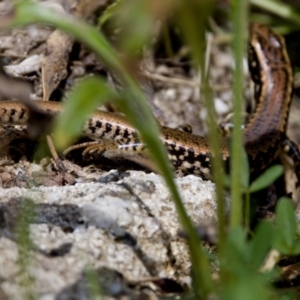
(264, 135)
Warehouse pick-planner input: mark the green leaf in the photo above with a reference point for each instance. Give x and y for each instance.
(110, 11)
(248, 286)
(297, 247)
(267, 178)
(278, 8)
(236, 251)
(286, 227)
(83, 101)
(261, 243)
(241, 279)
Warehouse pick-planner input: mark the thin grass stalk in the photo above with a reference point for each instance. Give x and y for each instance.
(195, 32)
(94, 286)
(25, 246)
(239, 18)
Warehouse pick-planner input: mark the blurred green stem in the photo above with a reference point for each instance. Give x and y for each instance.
(239, 17)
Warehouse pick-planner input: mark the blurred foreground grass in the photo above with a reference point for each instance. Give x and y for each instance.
(239, 258)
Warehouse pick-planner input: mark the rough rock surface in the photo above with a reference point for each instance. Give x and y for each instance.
(126, 230)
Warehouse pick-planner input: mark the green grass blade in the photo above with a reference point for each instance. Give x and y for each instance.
(83, 101)
(278, 8)
(240, 29)
(286, 227)
(261, 243)
(26, 213)
(266, 179)
(193, 23)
